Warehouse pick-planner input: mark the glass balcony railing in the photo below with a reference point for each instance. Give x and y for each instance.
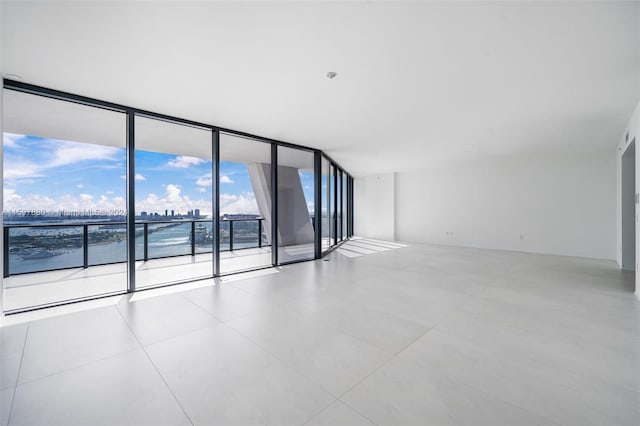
(46, 247)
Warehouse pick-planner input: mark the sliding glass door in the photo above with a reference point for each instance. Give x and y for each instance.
(64, 201)
(326, 197)
(245, 204)
(173, 202)
(296, 204)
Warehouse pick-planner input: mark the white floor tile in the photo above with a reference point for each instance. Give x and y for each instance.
(330, 358)
(564, 397)
(404, 393)
(122, 390)
(338, 414)
(220, 377)
(69, 341)
(164, 317)
(12, 341)
(385, 331)
(6, 398)
(225, 302)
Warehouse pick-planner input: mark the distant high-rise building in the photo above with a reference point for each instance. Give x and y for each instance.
(197, 214)
(172, 213)
(166, 212)
(143, 214)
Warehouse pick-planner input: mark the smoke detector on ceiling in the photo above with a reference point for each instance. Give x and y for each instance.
(331, 75)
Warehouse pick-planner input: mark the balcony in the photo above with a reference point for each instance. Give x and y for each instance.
(53, 263)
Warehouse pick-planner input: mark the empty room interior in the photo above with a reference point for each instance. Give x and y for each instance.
(320, 213)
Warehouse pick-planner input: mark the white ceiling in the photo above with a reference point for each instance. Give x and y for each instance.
(419, 84)
(26, 114)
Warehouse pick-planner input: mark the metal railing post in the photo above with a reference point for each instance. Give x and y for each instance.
(231, 235)
(85, 246)
(193, 238)
(5, 254)
(145, 240)
(259, 233)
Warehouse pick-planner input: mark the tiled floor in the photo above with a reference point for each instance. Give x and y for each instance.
(377, 334)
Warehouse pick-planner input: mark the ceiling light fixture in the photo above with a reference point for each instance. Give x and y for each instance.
(331, 75)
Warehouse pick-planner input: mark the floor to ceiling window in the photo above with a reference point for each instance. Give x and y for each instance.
(245, 204)
(326, 203)
(173, 203)
(339, 205)
(344, 204)
(103, 199)
(64, 201)
(333, 204)
(296, 204)
(349, 206)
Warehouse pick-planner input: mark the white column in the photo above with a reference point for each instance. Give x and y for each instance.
(295, 225)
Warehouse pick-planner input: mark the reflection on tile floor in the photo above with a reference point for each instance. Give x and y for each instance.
(379, 334)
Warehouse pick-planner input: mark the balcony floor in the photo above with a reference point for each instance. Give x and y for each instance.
(44, 288)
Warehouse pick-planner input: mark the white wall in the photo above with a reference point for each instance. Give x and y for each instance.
(374, 206)
(628, 208)
(554, 204)
(633, 131)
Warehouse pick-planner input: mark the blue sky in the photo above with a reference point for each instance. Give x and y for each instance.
(48, 174)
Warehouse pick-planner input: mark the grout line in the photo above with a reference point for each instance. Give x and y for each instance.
(395, 356)
(82, 364)
(15, 387)
(335, 401)
(155, 367)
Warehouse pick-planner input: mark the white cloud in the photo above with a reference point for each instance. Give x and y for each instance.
(201, 190)
(67, 153)
(85, 202)
(183, 161)
(238, 204)
(9, 140)
(79, 186)
(204, 180)
(64, 154)
(138, 177)
(10, 196)
(21, 169)
(14, 201)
